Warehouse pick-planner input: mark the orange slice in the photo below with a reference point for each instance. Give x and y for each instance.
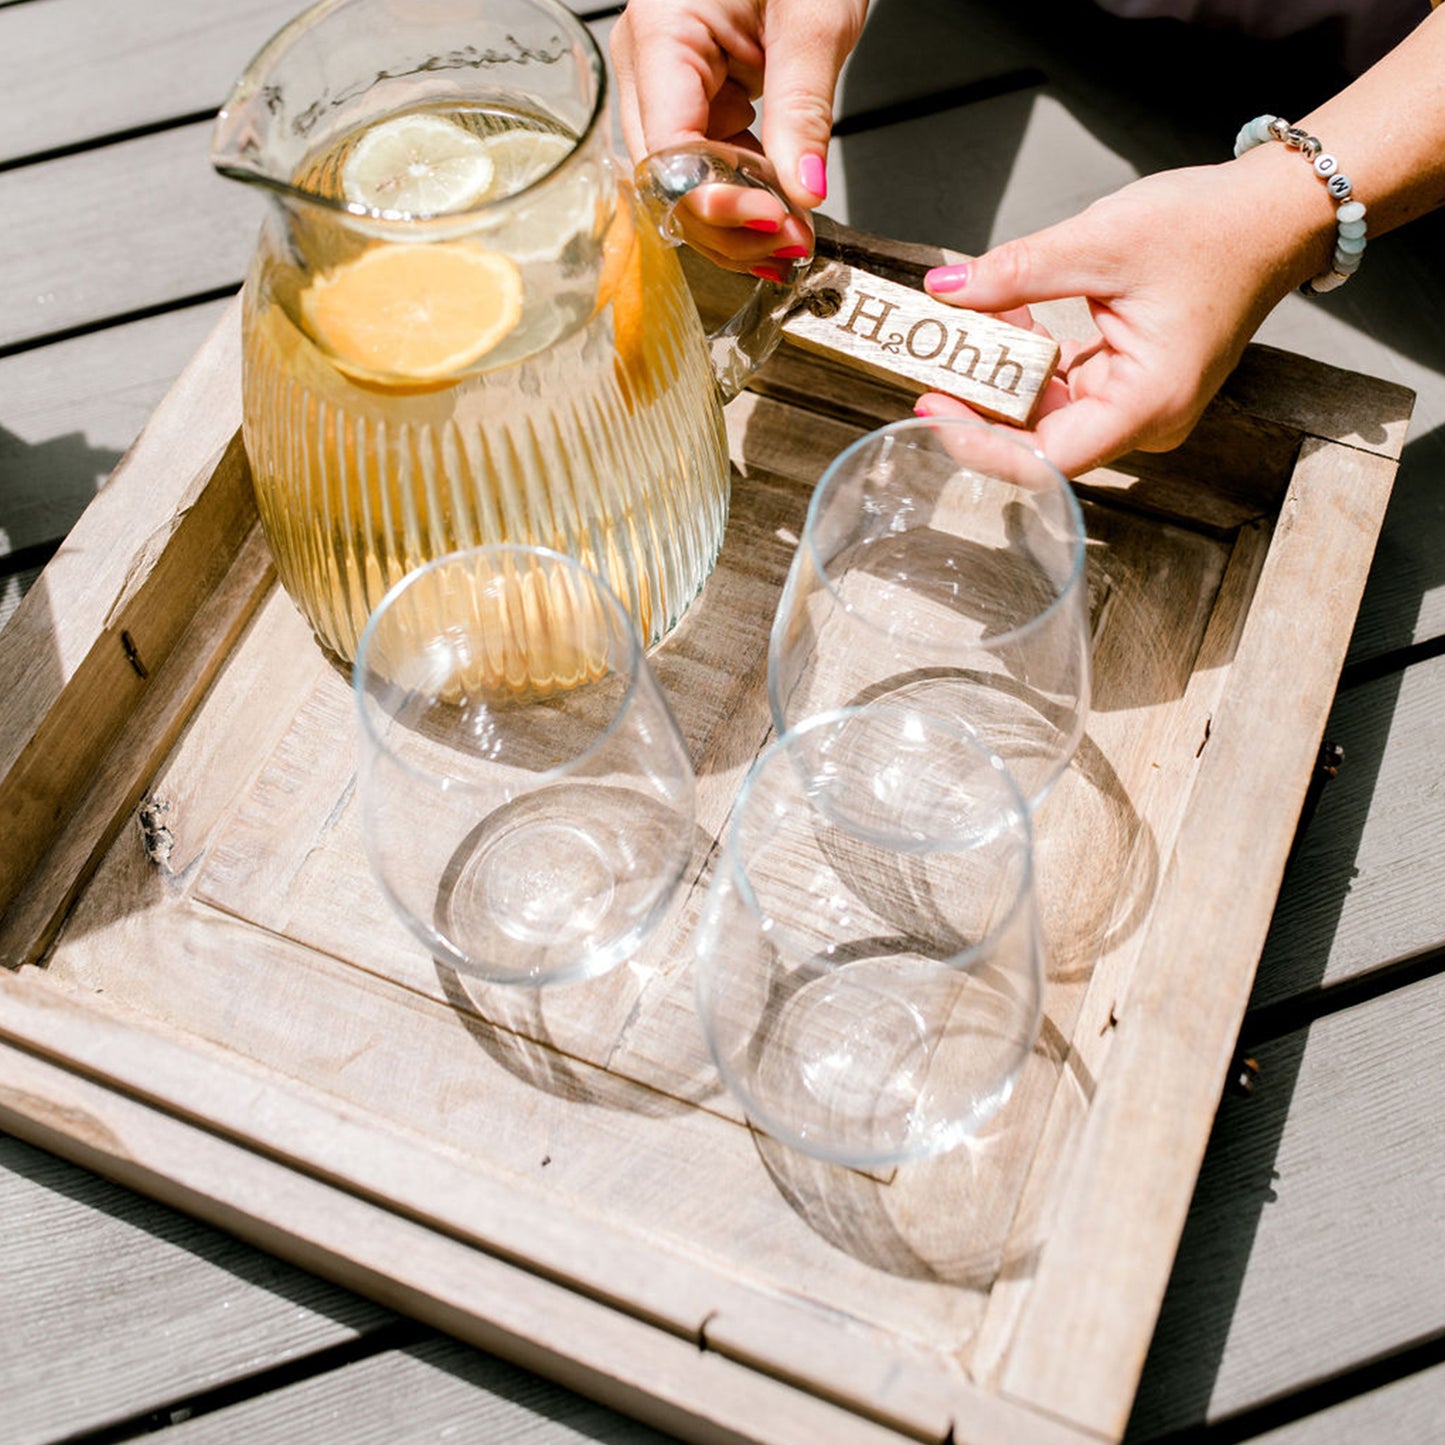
(414, 312)
(621, 284)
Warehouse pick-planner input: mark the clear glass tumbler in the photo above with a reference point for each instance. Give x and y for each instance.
(942, 565)
(526, 795)
(868, 965)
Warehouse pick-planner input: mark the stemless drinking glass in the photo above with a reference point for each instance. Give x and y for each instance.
(942, 565)
(868, 968)
(526, 795)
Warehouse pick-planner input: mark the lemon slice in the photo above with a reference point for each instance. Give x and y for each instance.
(559, 211)
(519, 157)
(421, 164)
(414, 312)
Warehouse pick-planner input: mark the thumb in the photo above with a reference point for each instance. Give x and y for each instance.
(1048, 265)
(798, 85)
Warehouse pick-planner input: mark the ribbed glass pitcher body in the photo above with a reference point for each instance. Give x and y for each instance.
(606, 443)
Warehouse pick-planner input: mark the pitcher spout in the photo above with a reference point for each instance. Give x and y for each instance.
(238, 145)
(256, 137)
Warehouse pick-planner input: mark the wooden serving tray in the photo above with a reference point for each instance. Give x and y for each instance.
(206, 998)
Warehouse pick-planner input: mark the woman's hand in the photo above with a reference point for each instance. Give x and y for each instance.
(690, 70)
(1179, 269)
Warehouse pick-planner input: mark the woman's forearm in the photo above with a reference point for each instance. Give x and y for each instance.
(1387, 131)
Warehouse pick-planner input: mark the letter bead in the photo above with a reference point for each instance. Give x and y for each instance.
(1350, 239)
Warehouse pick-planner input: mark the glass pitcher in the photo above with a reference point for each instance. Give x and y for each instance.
(462, 324)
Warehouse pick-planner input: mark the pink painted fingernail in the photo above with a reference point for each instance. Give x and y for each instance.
(813, 176)
(790, 253)
(947, 278)
(920, 407)
(768, 273)
(762, 224)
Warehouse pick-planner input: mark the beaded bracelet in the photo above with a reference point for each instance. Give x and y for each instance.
(1350, 217)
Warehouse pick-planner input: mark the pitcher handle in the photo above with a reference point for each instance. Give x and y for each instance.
(746, 339)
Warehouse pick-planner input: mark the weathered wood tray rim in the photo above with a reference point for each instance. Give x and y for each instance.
(124, 632)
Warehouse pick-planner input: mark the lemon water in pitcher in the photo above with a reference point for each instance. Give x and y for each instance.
(461, 324)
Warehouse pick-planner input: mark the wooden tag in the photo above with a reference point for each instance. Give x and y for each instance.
(907, 336)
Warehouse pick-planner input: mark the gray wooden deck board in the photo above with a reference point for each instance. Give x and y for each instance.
(156, 1307)
(434, 1390)
(1402, 1411)
(71, 410)
(104, 233)
(68, 69)
(1368, 885)
(1315, 1239)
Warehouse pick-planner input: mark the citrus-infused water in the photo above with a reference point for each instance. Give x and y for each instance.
(459, 330)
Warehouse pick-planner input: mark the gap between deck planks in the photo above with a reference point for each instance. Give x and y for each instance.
(1404, 1410)
(72, 410)
(72, 1252)
(435, 1389)
(1268, 1285)
(1368, 884)
(262, 1348)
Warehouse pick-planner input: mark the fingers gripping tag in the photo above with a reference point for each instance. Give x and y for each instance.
(902, 335)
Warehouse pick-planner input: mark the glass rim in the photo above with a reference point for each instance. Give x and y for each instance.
(403, 221)
(1077, 546)
(361, 668)
(964, 960)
